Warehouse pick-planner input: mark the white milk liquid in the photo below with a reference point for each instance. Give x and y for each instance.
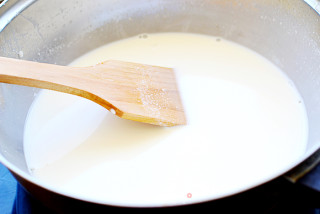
(246, 124)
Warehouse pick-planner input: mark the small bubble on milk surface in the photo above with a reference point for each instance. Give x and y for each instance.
(143, 36)
(113, 111)
(20, 54)
(129, 147)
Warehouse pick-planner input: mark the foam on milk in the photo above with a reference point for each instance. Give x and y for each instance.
(246, 123)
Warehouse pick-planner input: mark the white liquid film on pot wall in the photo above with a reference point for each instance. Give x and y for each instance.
(246, 124)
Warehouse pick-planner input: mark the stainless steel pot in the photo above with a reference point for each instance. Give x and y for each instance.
(287, 32)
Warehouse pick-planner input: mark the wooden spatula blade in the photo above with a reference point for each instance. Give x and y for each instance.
(145, 93)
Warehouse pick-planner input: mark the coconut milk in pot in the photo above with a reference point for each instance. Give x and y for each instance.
(246, 123)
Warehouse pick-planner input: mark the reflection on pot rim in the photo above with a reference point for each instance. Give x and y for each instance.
(13, 11)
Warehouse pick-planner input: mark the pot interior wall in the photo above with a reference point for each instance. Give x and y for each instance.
(286, 32)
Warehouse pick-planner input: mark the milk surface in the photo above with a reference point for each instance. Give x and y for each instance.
(246, 124)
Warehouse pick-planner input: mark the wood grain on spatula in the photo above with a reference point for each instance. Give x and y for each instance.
(138, 92)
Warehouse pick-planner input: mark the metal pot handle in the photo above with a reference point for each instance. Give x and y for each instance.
(10, 11)
(307, 173)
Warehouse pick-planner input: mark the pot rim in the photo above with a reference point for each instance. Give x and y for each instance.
(12, 11)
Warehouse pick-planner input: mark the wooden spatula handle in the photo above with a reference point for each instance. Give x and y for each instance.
(41, 75)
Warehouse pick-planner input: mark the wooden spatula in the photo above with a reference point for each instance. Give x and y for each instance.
(143, 93)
